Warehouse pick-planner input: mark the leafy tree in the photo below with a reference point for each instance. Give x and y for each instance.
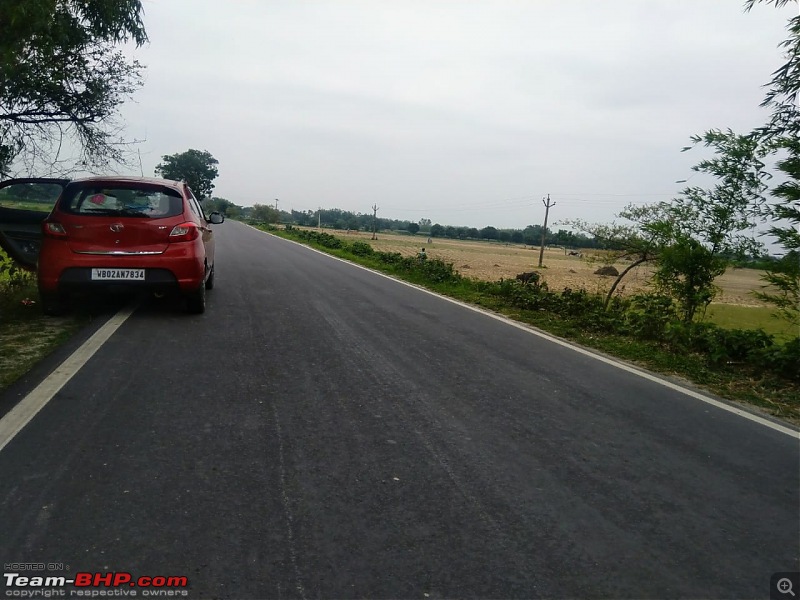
(783, 88)
(223, 206)
(784, 276)
(686, 271)
(489, 233)
(437, 230)
(702, 228)
(413, 228)
(692, 237)
(532, 235)
(61, 78)
(303, 218)
(781, 134)
(196, 167)
(566, 238)
(723, 216)
(640, 242)
(265, 214)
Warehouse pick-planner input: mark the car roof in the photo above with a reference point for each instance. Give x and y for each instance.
(128, 179)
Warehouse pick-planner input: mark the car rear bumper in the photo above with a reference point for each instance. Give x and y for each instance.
(178, 268)
(80, 278)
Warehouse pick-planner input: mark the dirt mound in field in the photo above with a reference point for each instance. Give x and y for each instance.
(607, 270)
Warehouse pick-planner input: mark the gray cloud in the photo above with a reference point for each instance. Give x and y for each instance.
(462, 112)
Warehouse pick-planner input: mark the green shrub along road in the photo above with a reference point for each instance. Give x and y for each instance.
(745, 365)
(26, 335)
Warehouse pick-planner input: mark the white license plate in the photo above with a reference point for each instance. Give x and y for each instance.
(118, 274)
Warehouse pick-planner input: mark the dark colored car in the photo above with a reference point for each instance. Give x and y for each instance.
(101, 233)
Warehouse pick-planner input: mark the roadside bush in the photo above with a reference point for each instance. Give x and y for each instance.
(318, 237)
(576, 303)
(390, 258)
(739, 345)
(518, 295)
(437, 270)
(648, 315)
(328, 240)
(682, 337)
(16, 285)
(781, 359)
(11, 276)
(585, 310)
(361, 249)
(721, 345)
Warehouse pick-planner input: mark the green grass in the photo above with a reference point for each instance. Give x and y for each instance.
(41, 206)
(26, 335)
(751, 317)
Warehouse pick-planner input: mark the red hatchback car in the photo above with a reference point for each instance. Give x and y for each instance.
(109, 232)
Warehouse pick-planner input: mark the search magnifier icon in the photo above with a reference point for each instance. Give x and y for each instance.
(785, 586)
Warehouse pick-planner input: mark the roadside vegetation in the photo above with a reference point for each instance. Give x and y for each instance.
(26, 335)
(648, 329)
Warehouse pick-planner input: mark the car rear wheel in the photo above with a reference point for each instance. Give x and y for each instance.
(53, 304)
(196, 301)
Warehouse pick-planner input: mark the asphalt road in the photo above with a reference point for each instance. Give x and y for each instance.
(322, 431)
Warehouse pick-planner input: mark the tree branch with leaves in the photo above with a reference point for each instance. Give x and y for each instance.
(641, 241)
(62, 79)
(781, 136)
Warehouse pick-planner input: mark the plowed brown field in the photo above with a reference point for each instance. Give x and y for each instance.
(490, 261)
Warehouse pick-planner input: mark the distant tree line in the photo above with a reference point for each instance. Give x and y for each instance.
(338, 219)
(531, 235)
(342, 220)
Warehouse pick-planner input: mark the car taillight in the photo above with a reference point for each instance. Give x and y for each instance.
(53, 229)
(185, 232)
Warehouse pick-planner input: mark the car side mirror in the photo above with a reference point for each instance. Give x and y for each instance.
(216, 218)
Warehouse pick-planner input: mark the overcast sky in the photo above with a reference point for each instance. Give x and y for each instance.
(463, 112)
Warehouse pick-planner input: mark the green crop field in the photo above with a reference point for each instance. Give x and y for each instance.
(751, 317)
(42, 206)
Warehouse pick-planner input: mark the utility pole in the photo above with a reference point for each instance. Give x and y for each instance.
(547, 206)
(276, 204)
(374, 221)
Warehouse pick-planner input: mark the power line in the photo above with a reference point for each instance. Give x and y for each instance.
(465, 209)
(614, 195)
(526, 201)
(520, 201)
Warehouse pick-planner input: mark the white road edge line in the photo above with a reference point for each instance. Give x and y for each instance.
(610, 361)
(19, 416)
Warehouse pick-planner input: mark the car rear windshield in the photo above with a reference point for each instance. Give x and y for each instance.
(121, 200)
